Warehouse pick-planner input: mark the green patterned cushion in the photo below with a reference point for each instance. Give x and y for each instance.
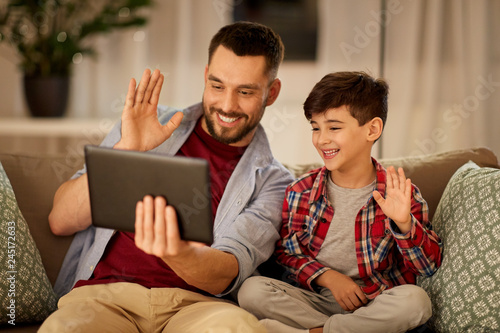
(465, 291)
(26, 294)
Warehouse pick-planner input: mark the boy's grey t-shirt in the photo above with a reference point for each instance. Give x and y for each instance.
(339, 249)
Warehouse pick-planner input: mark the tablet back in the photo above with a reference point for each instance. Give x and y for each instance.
(118, 179)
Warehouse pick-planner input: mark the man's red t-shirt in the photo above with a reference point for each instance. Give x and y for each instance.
(122, 261)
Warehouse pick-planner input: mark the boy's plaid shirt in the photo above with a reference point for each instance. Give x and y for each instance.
(386, 258)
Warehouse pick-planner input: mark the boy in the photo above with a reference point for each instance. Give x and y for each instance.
(354, 235)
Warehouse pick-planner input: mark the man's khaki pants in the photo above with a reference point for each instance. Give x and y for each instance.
(128, 307)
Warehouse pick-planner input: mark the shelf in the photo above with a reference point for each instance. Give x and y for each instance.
(51, 135)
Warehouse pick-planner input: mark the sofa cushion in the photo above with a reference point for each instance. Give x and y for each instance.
(26, 294)
(465, 291)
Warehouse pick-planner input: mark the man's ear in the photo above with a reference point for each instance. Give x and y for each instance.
(206, 74)
(375, 127)
(274, 91)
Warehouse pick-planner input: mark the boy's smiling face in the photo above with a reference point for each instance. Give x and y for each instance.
(342, 143)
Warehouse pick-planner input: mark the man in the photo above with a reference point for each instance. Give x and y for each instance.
(152, 280)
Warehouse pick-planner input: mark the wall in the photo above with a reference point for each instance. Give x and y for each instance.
(441, 61)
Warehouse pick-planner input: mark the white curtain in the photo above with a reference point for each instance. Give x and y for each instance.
(442, 62)
(175, 40)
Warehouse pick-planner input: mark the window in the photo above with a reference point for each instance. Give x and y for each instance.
(295, 21)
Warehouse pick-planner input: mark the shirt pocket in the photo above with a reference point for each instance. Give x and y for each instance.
(303, 226)
(381, 241)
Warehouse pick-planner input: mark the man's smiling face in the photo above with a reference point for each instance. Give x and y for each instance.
(237, 91)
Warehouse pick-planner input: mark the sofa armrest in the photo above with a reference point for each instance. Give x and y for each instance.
(35, 180)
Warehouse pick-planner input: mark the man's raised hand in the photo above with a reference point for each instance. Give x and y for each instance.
(141, 129)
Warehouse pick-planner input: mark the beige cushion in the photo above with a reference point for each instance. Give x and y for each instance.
(35, 180)
(431, 172)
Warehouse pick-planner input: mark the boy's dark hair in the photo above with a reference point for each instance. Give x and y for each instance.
(250, 39)
(364, 96)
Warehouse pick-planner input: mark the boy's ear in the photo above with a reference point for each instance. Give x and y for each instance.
(375, 127)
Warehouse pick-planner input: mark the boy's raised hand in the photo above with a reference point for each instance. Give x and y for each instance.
(397, 202)
(141, 129)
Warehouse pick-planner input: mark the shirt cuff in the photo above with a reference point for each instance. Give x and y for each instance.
(412, 238)
(309, 272)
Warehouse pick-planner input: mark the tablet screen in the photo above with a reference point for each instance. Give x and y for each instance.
(118, 179)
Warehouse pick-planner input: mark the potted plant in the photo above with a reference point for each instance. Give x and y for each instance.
(50, 35)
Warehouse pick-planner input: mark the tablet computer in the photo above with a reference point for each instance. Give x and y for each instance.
(118, 179)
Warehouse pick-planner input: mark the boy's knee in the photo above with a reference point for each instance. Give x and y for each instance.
(420, 299)
(417, 304)
(254, 293)
(424, 304)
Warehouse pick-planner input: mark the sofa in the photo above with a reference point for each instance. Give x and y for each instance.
(35, 178)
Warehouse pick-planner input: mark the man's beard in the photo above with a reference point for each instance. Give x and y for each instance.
(224, 136)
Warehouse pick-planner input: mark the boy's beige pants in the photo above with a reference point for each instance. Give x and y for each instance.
(128, 307)
(395, 310)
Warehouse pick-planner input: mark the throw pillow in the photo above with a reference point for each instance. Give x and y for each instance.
(465, 290)
(26, 295)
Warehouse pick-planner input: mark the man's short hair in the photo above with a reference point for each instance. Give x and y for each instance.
(364, 96)
(250, 39)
